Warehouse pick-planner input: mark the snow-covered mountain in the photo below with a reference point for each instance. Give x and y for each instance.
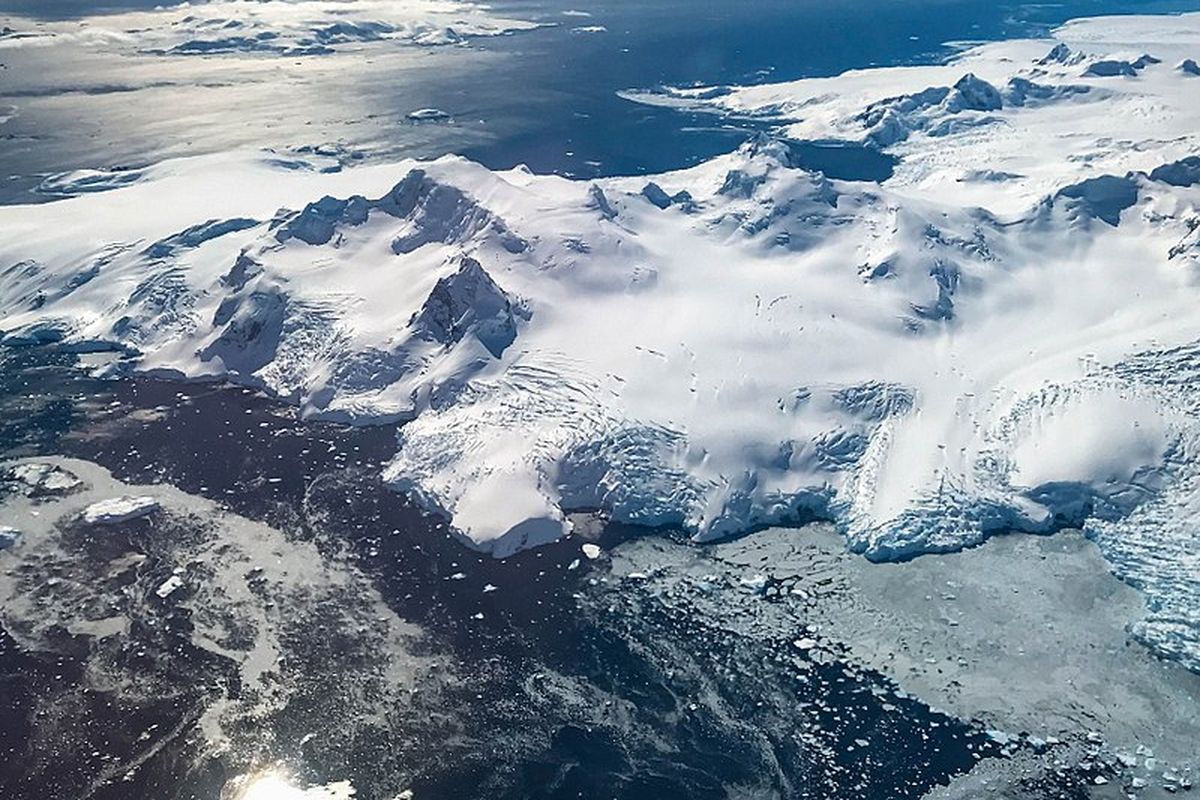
(1002, 336)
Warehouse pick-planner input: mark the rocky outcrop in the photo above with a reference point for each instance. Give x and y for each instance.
(469, 302)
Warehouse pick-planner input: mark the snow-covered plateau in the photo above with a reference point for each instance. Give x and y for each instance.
(1001, 336)
(271, 27)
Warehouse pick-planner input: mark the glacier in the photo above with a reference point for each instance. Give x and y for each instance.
(999, 337)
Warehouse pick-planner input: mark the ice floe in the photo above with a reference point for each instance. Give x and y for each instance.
(119, 509)
(47, 479)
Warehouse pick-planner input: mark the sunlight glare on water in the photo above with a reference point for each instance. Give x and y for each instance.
(275, 784)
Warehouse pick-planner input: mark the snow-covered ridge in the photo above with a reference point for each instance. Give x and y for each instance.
(274, 27)
(998, 107)
(1002, 336)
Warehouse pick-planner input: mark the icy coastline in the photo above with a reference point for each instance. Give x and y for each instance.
(1001, 336)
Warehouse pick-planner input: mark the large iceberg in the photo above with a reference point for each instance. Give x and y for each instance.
(1001, 336)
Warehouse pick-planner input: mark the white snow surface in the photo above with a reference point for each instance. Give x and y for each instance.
(274, 27)
(119, 509)
(1002, 336)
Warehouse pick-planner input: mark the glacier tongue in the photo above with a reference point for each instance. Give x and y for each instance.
(996, 338)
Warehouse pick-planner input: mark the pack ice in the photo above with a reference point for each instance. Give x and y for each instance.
(1002, 336)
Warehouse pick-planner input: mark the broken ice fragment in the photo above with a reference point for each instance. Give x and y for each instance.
(428, 115)
(8, 537)
(169, 587)
(119, 509)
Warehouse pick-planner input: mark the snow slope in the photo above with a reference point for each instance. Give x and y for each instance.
(1002, 336)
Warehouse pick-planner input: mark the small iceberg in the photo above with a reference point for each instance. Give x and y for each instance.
(120, 509)
(428, 115)
(8, 537)
(170, 585)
